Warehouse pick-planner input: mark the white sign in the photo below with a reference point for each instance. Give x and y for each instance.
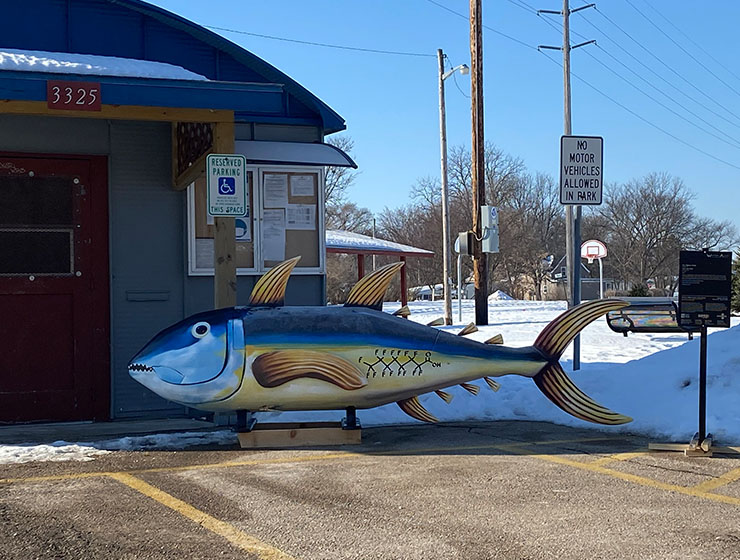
(227, 185)
(581, 171)
(593, 249)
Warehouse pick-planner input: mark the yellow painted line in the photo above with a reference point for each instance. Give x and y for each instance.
(235, 536)
(308, 458)
(642, 481)
(617, 457)
(721, 480)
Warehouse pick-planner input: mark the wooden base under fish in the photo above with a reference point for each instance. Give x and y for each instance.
(301, 434)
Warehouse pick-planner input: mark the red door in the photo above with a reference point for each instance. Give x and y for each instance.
(54, 359)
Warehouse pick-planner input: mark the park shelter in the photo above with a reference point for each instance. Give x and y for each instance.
(108, 109)
(352, 243)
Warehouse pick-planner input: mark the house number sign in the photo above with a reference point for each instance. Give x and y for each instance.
(73, 96)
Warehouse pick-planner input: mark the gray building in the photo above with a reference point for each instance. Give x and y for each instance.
(108, 109)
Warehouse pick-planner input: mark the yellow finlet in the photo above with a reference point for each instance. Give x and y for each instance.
(403, 312)
(437, 322)
(370, 290)
(496, 339)
(492, 384)
(470, 328)
(470, 388)
(275, 368)
(270, 289)
(444, 395)
(413, 408)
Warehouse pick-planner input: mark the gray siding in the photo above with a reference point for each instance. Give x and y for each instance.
(147, 255)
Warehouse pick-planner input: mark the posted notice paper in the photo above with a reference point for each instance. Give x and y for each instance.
(276, 190)
(301, 216)
(302, 185)
(273, 235)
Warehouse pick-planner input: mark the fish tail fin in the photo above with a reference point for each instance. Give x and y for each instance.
(552, 379)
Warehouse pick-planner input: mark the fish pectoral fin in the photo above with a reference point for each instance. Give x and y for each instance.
(444, 395)
(413, 408)
(275, 368)
(557, 387)
(492, 384)
(470, 388)
(370, 290)
(270, 289)
(469, 329)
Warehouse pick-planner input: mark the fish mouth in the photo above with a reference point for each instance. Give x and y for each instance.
(166, 374)
(140, 368)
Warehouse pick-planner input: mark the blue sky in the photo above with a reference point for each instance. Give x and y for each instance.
(390, 102)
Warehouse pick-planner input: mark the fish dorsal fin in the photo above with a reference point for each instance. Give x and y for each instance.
(270, 289)
(470, 388)
(437, 322)
(444, 395)
(414, 408)
(403, 312)
(492, 384)
(469, 329)
(370, 290)
(495, 339)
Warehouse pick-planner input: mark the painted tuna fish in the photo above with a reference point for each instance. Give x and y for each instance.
(268, 357)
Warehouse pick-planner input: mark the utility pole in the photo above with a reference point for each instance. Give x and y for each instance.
(572, 214)
(446, 253)
(480, 262)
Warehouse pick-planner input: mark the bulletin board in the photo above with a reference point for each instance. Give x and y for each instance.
(205, 230)
(290, 221)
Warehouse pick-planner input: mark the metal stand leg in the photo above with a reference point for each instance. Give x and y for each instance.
(244, 421)
(350, 421)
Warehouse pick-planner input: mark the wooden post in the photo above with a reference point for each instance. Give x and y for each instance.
(360, 266)
(480, 261)
(224, 242)
(404, 289)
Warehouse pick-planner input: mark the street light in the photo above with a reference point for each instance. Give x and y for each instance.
(446, 255)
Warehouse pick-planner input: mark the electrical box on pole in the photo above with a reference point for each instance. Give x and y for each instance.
(489, 226)
(465, 241)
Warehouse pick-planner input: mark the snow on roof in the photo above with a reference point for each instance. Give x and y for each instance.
(68, 63)
(352, 242)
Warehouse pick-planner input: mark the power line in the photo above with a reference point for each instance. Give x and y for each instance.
(654, 73)
(496, 31)
(733, 142)
(681, 47)
(664, 64)
(697, 45)
(315, 44)
(643, 119)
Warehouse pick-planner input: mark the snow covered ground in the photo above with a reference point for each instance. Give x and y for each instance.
(651, 377)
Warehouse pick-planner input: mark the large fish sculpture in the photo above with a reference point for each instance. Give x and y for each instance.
(266, 356)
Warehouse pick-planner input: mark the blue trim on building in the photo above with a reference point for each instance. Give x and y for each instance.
(138, 30)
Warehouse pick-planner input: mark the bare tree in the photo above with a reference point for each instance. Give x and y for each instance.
(339, 179)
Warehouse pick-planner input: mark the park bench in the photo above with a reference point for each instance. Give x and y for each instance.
(646, 315)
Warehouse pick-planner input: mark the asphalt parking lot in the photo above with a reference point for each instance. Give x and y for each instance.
(510, 490)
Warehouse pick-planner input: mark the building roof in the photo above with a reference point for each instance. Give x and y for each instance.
(133, 29)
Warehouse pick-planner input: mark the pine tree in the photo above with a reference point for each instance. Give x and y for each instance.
(736, 283)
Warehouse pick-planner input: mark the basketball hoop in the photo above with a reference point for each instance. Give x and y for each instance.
(595, 250)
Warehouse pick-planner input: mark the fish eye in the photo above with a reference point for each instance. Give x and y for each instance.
(200, 330)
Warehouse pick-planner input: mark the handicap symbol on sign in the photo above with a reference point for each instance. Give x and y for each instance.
(226, 185)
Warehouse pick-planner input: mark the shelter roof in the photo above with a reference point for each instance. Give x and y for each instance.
(338, 241)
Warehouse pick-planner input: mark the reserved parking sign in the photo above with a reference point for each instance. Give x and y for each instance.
(227, 185)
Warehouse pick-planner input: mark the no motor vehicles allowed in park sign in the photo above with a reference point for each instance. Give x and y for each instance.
(581, 171)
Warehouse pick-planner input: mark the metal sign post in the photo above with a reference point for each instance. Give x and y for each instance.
(705, 286)
(581, 183)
